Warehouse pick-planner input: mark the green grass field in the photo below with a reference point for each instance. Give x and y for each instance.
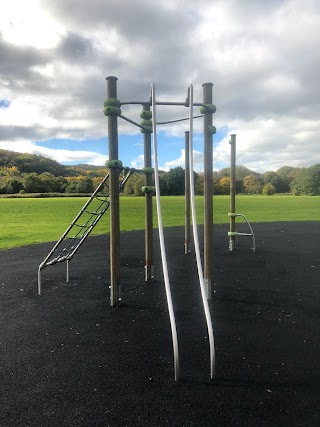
(29, 221)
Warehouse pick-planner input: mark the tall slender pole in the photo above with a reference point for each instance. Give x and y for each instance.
(162, 244)
(115, 294)
(208, 191)
(149, 266)
(187, 195)
(197, 246)
(232, 142)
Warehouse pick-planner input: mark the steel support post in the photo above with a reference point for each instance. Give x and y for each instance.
(208, 193)
(187, 196)
(232, 142)
(115, 288)
(149, 266)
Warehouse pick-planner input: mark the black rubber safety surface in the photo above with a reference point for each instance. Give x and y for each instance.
(69, 359)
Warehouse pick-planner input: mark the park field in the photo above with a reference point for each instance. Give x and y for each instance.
(37, 220)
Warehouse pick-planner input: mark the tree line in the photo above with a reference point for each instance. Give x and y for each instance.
(28, 173)
(287, 179)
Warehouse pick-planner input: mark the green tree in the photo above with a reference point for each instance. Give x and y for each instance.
(288, 174)
(32, 183)
(72, 186)
(252, 185)
(10, 185)
(269, 189)
(273, 178)
(134, 185)
(307, 182)
(172, 183)
(198, 186)
(85, 185)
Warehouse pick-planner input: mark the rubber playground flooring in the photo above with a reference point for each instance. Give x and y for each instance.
(69, 359)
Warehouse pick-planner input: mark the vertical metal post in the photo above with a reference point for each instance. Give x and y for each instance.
(208, 192)
(149, 266)
(232, 142)
(187, 195)
(115, 294)
(68, 276)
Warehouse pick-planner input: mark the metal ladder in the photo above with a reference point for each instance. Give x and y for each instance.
(82, 225)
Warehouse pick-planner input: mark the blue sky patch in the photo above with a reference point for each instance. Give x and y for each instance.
(4, 103)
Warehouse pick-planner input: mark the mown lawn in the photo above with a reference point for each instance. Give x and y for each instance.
(29, 221)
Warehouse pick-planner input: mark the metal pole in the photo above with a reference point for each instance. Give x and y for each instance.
(149, 266)
(162, 244)
(232, 142)
(115, 288)
(197, 246)
(187, 195)
(208, 191)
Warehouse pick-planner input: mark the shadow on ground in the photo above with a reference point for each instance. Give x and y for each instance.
(69, 359)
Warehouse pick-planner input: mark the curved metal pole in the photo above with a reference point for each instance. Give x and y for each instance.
(161, 237)
(197, 246)
(252, 233)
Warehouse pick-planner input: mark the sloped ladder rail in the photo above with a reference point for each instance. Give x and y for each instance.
(72, 244)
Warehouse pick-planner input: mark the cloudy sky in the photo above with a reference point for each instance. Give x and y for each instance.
(263, 58)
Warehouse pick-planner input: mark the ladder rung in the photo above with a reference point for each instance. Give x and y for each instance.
(92, 213)
(102, 200)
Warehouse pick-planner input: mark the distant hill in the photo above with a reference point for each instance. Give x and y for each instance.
(29, 163)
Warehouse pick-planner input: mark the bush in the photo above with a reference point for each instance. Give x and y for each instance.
(269, 189)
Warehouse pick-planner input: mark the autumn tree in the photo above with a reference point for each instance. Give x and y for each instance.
(224, 185)
(252, 185)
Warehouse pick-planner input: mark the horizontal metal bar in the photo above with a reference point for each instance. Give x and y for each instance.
(184, 104)
(178, 120)
(136, 102)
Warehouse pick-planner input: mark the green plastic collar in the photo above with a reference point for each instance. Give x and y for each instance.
(146, 114)
(147, 170)
(114, 164)
(149, 189)
(112, 107)
(112, 102)
(208, 108)
(147, 126)
(212, 130)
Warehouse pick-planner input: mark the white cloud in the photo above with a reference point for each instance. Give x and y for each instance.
(262, 57)
(61, 156)
(27, 23)
(197, 161)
